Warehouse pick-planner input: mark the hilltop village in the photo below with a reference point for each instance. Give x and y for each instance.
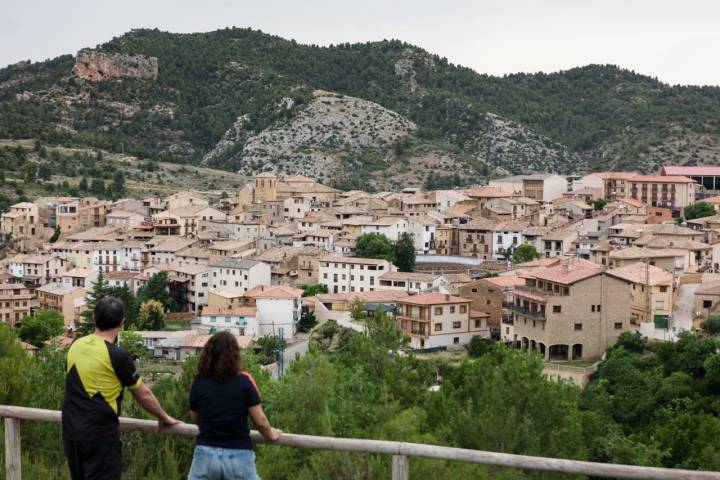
(553, 264)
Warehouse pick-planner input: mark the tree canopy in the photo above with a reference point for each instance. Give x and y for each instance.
(525, 253)
(41, 327)
(374, 245)
(698, 210)
(404, 254)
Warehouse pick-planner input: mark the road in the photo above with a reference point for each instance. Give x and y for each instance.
(298, 348)
(684, 308)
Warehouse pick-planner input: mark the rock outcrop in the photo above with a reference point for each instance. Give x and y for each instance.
(98, 66)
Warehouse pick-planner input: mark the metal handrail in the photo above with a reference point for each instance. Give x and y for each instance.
(399, 450)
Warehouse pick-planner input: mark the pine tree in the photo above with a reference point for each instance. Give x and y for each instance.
(100, 289)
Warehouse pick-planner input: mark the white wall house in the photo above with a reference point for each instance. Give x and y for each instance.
(278, 309)
(422, 230)
(391, 227)
(237, 320)
(238, 276)
(352, 274)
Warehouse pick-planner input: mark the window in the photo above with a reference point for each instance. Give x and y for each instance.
(707, 303)
(598, 308)
(213, 319)
(663, 289)
(457, 324)
(488, 302)
(592, 308)
(456, 340)
(618, 325)
(557, 308)
(478, 323)
(452, 309)
(578, 326)
(463, 308)
(438, 310)
(473, 290)
(438, 327)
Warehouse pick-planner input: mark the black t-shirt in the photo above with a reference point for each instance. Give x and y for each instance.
(223, 410)
(97, 372)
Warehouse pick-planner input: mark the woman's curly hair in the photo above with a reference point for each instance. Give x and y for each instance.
(220, 358)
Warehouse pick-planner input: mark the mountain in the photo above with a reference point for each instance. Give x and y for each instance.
(378, 114)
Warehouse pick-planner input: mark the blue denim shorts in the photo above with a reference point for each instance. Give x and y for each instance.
(214, 463)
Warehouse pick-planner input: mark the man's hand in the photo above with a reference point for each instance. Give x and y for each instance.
(274, 435)
(166, 422)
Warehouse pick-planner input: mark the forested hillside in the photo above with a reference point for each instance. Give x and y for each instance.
(654, 405)
(218, 94)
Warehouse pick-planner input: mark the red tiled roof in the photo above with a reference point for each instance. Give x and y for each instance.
(577, 270)
(642, 273)
(506, 281)
(235, 312)
(273, 291)
(662, 178)
(673, 171)
(488, 192)
(375, 296)
(478, 313)
(432, 299)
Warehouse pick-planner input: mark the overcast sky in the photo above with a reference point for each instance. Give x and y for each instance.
(676, 41)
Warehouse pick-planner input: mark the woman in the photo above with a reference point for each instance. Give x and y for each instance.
(222, 396)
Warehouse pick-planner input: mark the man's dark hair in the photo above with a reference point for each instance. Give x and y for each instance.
(109, 313)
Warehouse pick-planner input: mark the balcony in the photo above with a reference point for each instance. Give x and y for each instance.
(405, 318)
(526, 312)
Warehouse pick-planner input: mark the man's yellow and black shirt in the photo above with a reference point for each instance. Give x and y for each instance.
(96, 373)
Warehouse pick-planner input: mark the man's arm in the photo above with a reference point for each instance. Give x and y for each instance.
(146, 398)
(263, 424)
(194, 416)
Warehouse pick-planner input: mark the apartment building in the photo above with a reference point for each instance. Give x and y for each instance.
(80, 277)
(352, 274)
(491, 296)
(165, 249)
(76, 214)
(673, 192)
(62, 298)
(651, 291)
(438, 320)
(570, 311)
(15, 303)
(238, 276)
(476, 239)
(447, 240)
(35, 270)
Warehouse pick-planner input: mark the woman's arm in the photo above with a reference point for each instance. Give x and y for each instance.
(263, 424)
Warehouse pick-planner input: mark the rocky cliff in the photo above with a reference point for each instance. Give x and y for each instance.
(98, 66)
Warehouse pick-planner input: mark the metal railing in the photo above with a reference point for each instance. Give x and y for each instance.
(400, 451)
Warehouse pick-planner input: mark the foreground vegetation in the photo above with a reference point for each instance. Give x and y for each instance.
(656, 406)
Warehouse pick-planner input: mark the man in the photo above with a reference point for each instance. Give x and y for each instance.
(97, 371)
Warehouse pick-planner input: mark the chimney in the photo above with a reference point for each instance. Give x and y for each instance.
(565, 263)
(447, 297)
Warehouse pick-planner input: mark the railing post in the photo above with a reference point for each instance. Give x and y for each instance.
(13, 456)
(400, 467)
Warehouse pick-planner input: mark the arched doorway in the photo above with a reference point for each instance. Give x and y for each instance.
(559, 352)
